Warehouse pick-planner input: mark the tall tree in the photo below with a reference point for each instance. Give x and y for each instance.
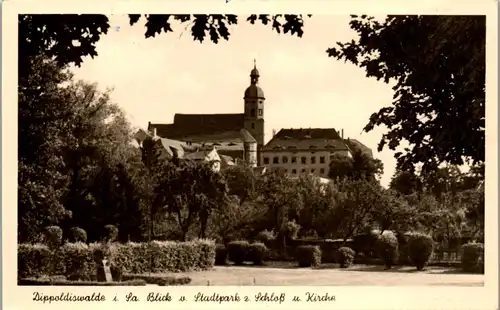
(360, 166)
(190, 192)
(438, 64)
(405, 182)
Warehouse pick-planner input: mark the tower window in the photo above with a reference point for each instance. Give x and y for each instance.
(252, 112)
(322, 160)
(294, 160)
(322, 170)
(284, 159)
(294, 171)
(303, 160)
(260, 112)
(303, 171)
(276, 160)
(253, 126)
(313, 159)
(312, 170)
(266, 160)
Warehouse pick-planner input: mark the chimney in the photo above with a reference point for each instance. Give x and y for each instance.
(342, 136)
(154, 131)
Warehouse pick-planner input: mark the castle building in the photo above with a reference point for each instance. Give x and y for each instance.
(240, 136)
(307, 151)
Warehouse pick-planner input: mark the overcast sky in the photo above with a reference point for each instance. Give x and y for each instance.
(157, 77)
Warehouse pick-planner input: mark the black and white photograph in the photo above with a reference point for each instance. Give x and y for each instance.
(251, 150)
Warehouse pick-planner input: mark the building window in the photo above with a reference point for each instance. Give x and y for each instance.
(303, 171)
(253, 126)
(313, 160)
(322, 170)
(252, 112)
(260, 112)
(286, 170)
(294, 171)
(266, 160)
(312, 170)
(284, 160)
(276, 160)
(294, 160)
(303, 160)
(322, 160)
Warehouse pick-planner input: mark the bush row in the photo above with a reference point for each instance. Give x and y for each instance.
(53, 235)
(158, 280)
(239, 252)
(80, 261)
(46, 282)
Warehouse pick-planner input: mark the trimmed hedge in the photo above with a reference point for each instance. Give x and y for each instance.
(45, 282)
(165, 256)
(237, 251)
(473, 257)
(33, 260)
(220, 255)
(257, 253)
(308, 255)
(420, 248)
(345, 257)
(387, 248)
(80, 261)
(158, 280)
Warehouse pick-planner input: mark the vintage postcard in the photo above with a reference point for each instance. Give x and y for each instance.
(223, 154)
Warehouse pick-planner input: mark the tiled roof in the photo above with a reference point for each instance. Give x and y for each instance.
(195, 124)
(308, 138)
(198, 128)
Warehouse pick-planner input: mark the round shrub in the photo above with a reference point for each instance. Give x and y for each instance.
(345, 256)
(308, 255)
(257, 253)
(77, 234)
(267, 237)
(110, 233)
(237, 251)
(53, 236)
(291, 230)
(473, 257)
(387, 248)
(220, 255)
(420, 248)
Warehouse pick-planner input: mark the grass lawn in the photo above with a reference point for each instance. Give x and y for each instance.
(282, 273)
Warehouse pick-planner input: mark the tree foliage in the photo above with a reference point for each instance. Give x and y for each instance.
(68, 38)
(438, 65)
(190, 192)
(360, 166)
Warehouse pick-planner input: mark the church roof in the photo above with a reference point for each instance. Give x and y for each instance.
(306, 138)
(198, 124)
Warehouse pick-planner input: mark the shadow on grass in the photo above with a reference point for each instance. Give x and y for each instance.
(360, 268)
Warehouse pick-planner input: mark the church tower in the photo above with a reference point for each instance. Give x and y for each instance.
(254, 110)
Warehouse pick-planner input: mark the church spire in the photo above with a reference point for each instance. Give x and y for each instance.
(254, 74)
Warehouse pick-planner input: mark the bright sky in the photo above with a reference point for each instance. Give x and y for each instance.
(157, 77)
